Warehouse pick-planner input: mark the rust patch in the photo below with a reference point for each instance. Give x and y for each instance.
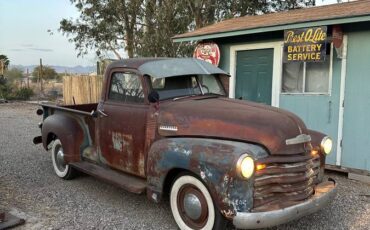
(285, 181)
(90, 153)
(122, 142)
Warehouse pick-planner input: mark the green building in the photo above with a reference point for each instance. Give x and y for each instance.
(332, 96)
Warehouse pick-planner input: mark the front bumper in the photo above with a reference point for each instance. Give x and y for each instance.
(324, 193)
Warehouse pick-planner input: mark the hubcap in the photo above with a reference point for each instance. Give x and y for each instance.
(59, 159)
(192, 206)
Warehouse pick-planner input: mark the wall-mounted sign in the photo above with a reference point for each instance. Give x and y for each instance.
(208, 52)
(305, 45)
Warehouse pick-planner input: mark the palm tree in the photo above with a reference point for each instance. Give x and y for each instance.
(4, 63)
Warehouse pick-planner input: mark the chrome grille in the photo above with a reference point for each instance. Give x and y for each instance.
(285, 181)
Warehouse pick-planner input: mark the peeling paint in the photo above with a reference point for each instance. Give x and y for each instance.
(90, 153)
(155, 196)
(202, 175)
(117, 141)
(212, 160)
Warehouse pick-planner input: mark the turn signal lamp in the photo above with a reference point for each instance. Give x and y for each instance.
(260, 166)
(314, 152)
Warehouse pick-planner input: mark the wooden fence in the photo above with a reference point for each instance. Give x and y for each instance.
(82, 89)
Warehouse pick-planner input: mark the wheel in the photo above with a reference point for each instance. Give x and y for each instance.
(62, 170)
(192, 205)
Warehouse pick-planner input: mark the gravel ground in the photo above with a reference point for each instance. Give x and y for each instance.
(30, 189)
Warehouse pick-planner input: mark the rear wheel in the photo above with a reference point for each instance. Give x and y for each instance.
(192, 205)
(62, 169)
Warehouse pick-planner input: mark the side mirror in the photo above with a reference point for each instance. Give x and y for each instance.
(153, 97)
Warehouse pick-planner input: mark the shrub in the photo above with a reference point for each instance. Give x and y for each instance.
(5, 88)
(23, 93)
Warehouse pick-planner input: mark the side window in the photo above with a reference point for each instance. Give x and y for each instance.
(126, 87)
(307, 77)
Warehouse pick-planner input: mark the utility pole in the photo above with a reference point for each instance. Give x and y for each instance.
(40, 76)
(28, 79)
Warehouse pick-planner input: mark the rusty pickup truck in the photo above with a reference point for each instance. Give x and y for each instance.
(167, 128)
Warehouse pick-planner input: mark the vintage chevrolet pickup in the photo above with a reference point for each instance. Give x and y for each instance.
(166, 127)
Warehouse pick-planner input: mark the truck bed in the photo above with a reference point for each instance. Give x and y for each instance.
(84, 109)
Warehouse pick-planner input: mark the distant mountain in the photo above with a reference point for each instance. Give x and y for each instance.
(61, 69)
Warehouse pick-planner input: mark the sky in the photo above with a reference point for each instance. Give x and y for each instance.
(24, 36)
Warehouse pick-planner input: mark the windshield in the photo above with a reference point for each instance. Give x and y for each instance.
(182, 86)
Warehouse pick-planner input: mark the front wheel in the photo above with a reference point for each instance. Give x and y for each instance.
(192, 205)
(62, 169)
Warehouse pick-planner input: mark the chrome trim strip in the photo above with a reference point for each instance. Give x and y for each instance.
(168, 128)
(324, 194)
(302, 138)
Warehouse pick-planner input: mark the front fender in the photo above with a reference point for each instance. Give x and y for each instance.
(213, 161)
(316, 137)
(68, 130)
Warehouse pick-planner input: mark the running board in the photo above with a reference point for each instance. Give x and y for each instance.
(128, 182)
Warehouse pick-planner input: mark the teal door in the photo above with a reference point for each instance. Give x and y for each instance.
(356, 123)
(319, 111)
(254, 75)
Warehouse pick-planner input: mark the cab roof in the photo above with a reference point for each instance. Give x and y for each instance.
(168, 67)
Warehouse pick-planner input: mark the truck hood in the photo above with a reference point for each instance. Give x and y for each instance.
(231, 119)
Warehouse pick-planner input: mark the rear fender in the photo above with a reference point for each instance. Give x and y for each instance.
(316, 137)
(68, 130)
(212, 161)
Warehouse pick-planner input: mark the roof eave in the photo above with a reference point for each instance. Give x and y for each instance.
(332, 21)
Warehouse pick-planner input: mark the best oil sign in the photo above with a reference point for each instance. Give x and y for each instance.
(305, 45)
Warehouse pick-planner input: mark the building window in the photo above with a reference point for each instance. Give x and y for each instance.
(307, 77)
(126, 87)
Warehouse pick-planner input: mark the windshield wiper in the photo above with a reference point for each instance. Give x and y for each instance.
(210, 95)
(214, 94)
(186, 96)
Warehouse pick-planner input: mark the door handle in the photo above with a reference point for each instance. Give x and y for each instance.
(329, 112)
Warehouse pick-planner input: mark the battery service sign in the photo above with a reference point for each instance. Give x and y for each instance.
(305, 45)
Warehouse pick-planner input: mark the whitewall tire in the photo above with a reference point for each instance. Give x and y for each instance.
(192, 205)
(62, 170)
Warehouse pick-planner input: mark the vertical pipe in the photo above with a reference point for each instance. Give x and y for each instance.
(40, 76)
(28, 79)
(341, 100)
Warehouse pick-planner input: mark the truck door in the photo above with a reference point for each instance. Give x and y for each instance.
(122, 123)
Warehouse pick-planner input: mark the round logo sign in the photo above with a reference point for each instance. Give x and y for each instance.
(208, 52)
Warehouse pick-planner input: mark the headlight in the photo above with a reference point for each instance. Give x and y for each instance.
(245, 166)
(326, 145)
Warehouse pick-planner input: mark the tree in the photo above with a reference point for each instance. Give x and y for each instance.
(163, 19)
(145, 27)
(14, 74)
(104, 26)
(4, 64)
(291, 4)
(48, 73)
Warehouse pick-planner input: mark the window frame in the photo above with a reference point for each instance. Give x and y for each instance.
(130, 71)
(148, 80)
(304, 78)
